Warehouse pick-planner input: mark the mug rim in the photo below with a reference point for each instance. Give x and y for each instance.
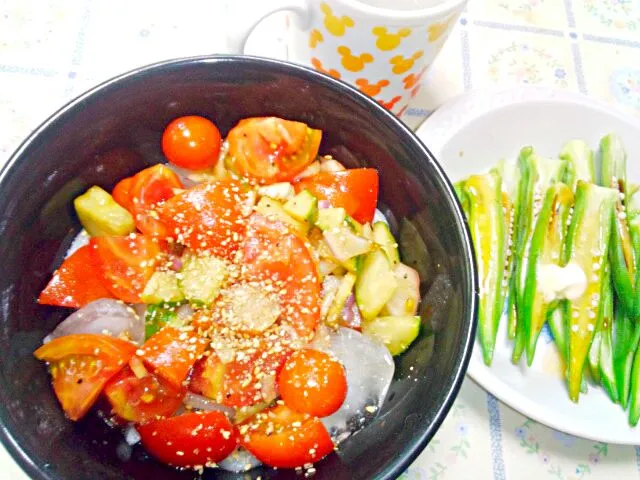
(387, 13)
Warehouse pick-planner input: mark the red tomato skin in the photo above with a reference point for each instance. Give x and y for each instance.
(313, 382)
(355, 190)
(141, 400)
(81, 365)
(171, 354)
(192, 142)
(271, 149)
(272, 252)
(122, 192)
(191, 439)
(75, 283)
(126, 263)
(285, 446)
(209, 217)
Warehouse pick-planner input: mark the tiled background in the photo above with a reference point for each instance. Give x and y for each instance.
(52, 50)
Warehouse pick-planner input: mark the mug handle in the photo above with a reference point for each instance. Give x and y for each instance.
(239, 33)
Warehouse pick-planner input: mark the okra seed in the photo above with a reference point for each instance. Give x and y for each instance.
(592, 314)
(574, 328)
(590, 327)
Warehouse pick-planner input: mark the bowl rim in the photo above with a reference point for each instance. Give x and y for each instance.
(411, 451)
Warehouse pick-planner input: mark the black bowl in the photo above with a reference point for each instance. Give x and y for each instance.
(115, 130)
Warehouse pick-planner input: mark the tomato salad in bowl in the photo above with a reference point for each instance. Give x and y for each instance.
(237, 306)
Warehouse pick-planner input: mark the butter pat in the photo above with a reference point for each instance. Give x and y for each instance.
(558, 283)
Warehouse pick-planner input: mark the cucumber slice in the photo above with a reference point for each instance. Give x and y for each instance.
(271, 208)
(277, 191)
(406, 297)
(303, 207)
(344, 290)
(329, 218)
(397, 333)
(101, 215)
(201, 278)
(383, 237)
(355, 226)
(345, 244)
(375, 285)
(162, 287)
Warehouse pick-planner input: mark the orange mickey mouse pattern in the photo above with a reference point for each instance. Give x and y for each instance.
(381, 55)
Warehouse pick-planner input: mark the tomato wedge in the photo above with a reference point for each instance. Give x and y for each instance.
(171, 353)
(209, 217)
(142, 192)
(242, 382)
(81, 365)
(313, 382)
(274, 256)
(283, 438)
(142, 399)
(122, 192)
(355, 190)
(126, 263)
(75, 283)
(190, 440)
(270, 149)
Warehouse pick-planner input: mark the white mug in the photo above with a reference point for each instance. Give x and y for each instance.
(383, 47)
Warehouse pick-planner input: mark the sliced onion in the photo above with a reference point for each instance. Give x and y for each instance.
(186, 176)
(184, 312)
(351, 316)
(239, 461)
(324, 204)
(203, 403)
(103, 316)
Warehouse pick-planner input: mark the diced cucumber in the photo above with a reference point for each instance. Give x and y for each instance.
(157, 316)
(326, 267)
(202, 277)
(406, 297)
(375, 285)
(355, 226)
(352, 264)
(329, 218)
(397, 333)
(345, 244)
(383, 237)
(101, 215)
(277, 191)
(367, 231)
(341, 296)
(303, 207)
(271, 208)
(162, 287)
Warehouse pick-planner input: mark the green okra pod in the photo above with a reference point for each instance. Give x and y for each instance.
(579, 163)
(487, 224)
(587, 248)
(545, 251)
(537, 174)
(605, 360)
(627, 337)
(634, 395)
(622, 252)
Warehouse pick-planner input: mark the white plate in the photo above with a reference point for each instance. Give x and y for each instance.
(469, 135)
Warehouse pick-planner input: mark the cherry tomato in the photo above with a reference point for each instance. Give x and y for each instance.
(81, 365)
(126, 263)
(171, 353)
(283, 438)
(76, 283)
(355, 190)
(190, 440)
(122, 192)
(143, 399)
(192, 142)
(271, 254)
(209, 217)
(313, 382)
(270, 149)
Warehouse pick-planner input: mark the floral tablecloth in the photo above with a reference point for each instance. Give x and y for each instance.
(52, 50)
